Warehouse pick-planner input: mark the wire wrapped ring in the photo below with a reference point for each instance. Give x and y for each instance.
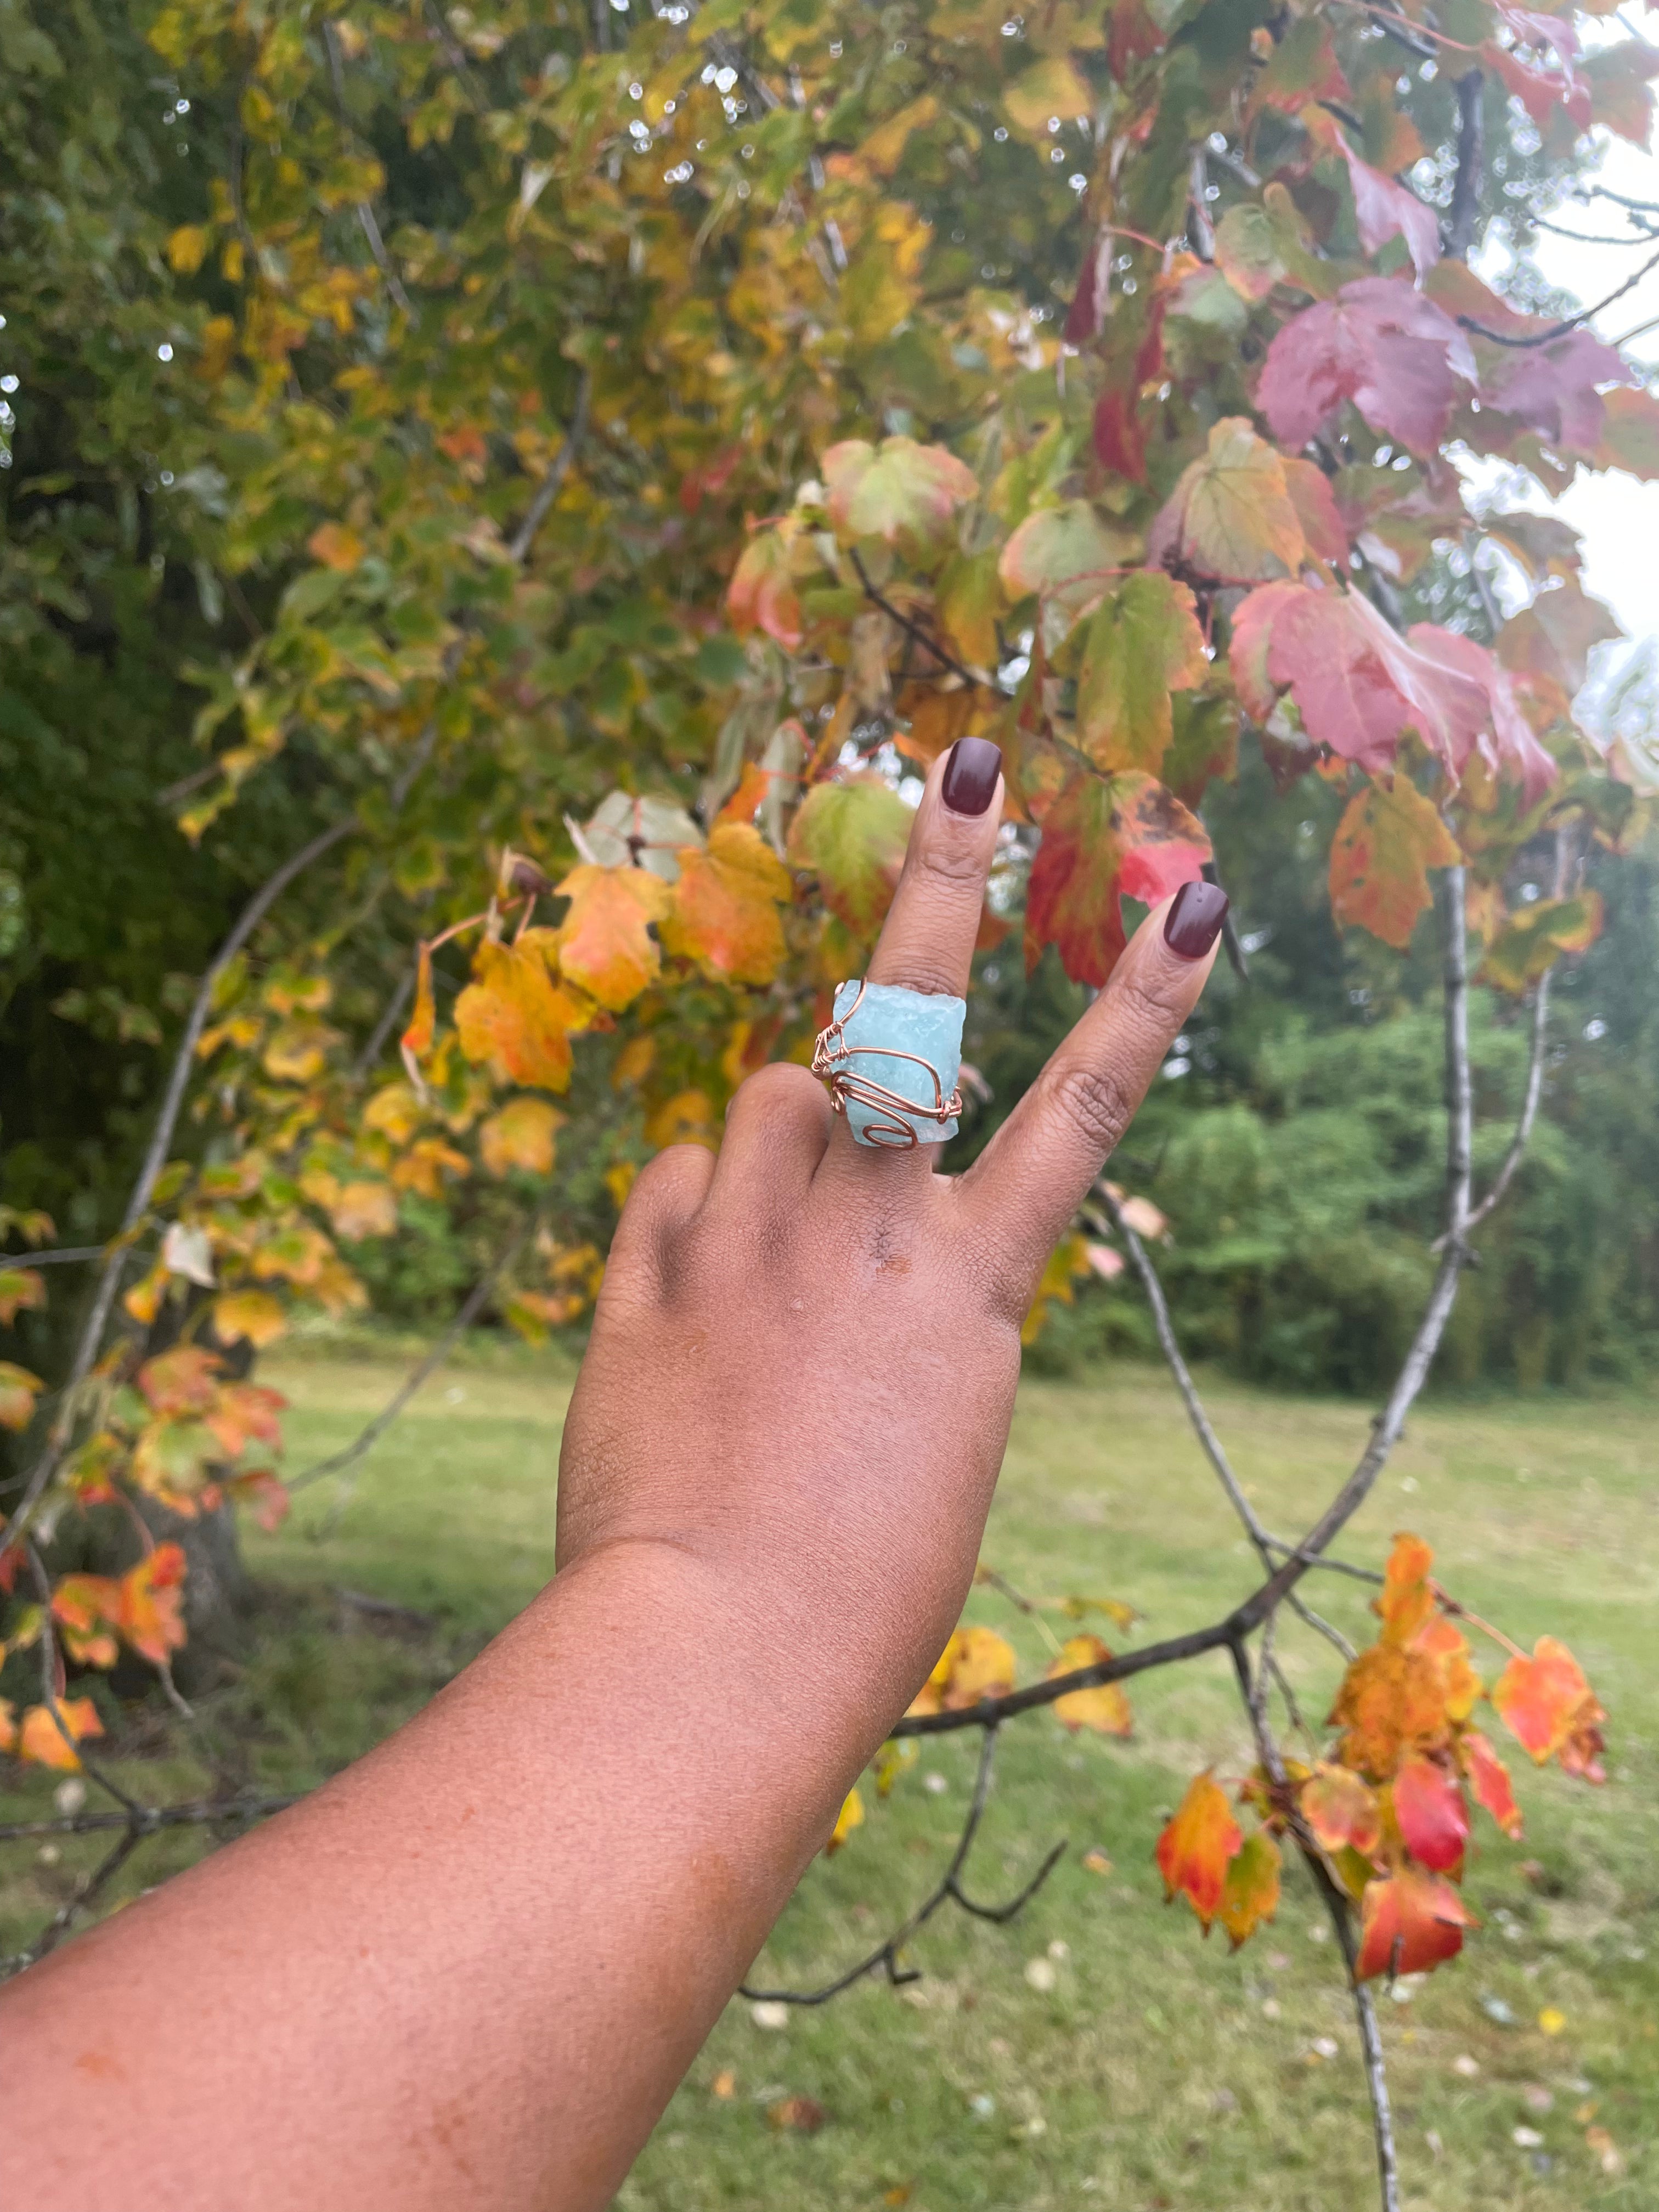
(918, 1101)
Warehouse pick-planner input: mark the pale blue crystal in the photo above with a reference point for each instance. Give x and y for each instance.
(924, 1023)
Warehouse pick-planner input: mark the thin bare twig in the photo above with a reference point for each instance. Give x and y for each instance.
(552, 483)
(1570, 322)
(366, 216)
(886, 1956)
(148, 1819)
(85, 1892)
(914, 629)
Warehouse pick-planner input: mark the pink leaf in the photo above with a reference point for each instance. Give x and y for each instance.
(1379, 343)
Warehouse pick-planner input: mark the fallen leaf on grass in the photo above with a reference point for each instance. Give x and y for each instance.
(803, 2114)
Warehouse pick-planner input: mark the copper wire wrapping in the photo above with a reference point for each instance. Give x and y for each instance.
(890, 1130)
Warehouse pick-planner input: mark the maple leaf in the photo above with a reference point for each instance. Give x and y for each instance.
(604, 945)
(82, 1606)
(1383, 209)
(50, 1740)
(850, 1816)
(149, 1612)
(1324, 534)
(1391, 1702)
(852, 837)
(1489, 1778)
(1411, 1922)
(1507, 746)
(1105, 839)
(1548, 1705)
(1630, 434)
(1231, 515)
(725, 913)
(1357, 684)
(975, 1663)
(1249, 1893)
(1104, 1707)
(1142, 642)
(364, 1209)
(1433, 1819)
(183, 1381)
(259, 1489)
(1553, 636)
(1247, 250)
(1390, 836)
(1196, 1846)
(898, 490)
(1443, 1643)
(336, 545)
(511, 1017)
(521, 1137)
(1534, 937)
(1066, 555)
(18, 1391)
(1406, 1600)
(1302, 67)
(248, 1317)
(1379, 343)
(762, 593)
(1342, 1810)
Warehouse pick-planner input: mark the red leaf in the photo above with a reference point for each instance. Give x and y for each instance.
(1105, 839)
(1508, 746)
(1433, 1819)
(1380, 343)
(1195, 1848)
(1551, 1710)
(1357, 685)
(1540, 92)
(762, 593)
(1385, 210)
(1412, 1921)
(1489, 1778)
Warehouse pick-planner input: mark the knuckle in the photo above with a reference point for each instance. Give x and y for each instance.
(954, 863)
(1144, 1006)
(780, 1086)
(1094, 1104)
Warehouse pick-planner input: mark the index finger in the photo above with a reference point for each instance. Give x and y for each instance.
(1030, 1179)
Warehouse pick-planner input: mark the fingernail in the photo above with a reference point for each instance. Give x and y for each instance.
(970, 776)
(1194, 922)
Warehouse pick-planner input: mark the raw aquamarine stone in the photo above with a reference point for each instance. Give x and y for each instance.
(919, 1022)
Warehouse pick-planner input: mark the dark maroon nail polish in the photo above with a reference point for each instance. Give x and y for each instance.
(1194, 922)
(970, 776)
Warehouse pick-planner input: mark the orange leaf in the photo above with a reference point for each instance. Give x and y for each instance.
(725, 905)
(512, 1018)
(1104, 1707)
(42, 1739)
(1105, 840)
(1411, 1922)
(1550, 1708)
(417, 1038)
(1406, 1601)
(975, 1663)
(1391, 1702)
(1385, 844)
(521, 1136)
(183, 1381)
(1194, 1849)
(762, 593)
(18, 1391)
(253, 1316)
(263, 1494)
(745, 804)
(1434, 1821)
(83, 1606)
(605, 943)
(1489, 1778)
(336, 545)
(1442, 1641)
(364, 1209)
(20, 1287)
(150, 1616)
(1250, 1894)
(1342, 1811)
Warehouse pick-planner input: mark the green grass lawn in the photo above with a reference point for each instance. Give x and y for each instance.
(1096, 2051)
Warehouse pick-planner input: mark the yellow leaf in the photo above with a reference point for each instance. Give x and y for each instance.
(187, 249)
(18, 1391)
(725, 905)
(364, 1209)
(975, 1663)
(252, 1315)
(1104, 1707)
(850, 1816)
(604, 943)
(519, 1136)
(1050, 87)
(512, 1018)
(337, 546)
(43, 1740)
(1552, 2020)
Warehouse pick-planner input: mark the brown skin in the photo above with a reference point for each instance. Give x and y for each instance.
(474, 1966)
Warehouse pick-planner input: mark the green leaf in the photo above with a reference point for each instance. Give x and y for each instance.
(852, 837)
(1141, 643)
(897, 490)
(1534, 939)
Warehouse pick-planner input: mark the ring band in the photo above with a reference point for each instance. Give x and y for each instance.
(891, 1058)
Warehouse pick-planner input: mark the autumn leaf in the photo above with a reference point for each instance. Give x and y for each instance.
(897, 490)
(21, 1288)
(762, 594)
(1104, 840)
(1142, 642)
(520, 1138)
(1324, 534)
(1489, 1779)
(1357, 683)
(1433, 1819)
(511, 1018)
(1231, 515)
(1534, 939)
(364, 1209)
(1049, 88)
(1406, 1600)
(337, 546)
(18, 1391)
(1440, 1642)
(1067, 554)
(1550, 1708)
(1302, 67)
(42, 1737)
(725, 914)
(850, 1816)
(1383, 209)
(84, 1608)
(975, 1663)
(1196, 1847)
(1250, 1892)
(1341, 1809)
(1507, 746)
(1411, 1922)
(852, 837)
(416, 1040)
(1391, 1702)
(1104, 1707)
(150, 1614)
(604, 943)
(1379, 343)
(1389, 837)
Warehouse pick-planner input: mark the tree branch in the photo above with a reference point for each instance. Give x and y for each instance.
(1572, 322)
(553, 482)
(366, 216)
(1523, 1128)
(914, 629)
(1471, 146)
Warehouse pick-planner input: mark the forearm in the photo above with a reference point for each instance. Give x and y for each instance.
(474, 1967)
